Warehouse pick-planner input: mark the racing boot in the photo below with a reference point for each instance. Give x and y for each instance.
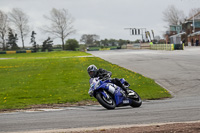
(129, 93)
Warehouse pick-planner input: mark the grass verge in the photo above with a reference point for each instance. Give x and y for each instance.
(32, 81)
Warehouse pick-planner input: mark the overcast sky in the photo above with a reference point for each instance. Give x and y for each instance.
(106, 18)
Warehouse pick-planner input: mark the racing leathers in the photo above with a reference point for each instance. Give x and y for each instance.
(104, 74)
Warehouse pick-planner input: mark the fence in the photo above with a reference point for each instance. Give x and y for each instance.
(162, 47)
(145, 46)
(133, 46)
(138, 46)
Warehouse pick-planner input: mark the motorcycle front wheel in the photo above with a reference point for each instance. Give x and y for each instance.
(108, 102)
(136, 100)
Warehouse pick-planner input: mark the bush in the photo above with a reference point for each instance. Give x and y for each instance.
(102, 47)
(82, 47)
(71, 44)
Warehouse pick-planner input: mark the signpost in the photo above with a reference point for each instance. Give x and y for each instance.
(142, 32)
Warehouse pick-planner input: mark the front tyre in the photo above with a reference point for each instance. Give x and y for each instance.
(136, 100)
(108, 102)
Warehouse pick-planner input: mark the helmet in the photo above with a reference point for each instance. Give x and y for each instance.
(92, 70)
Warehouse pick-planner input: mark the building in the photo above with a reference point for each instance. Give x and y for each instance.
(187, 33)
(192, 27)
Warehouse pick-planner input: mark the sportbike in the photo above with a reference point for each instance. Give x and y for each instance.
(110, 95)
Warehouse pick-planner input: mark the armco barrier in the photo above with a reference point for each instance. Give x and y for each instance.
(20, 51)
(101, 49)
(28, 51)
(2, 52)
(93, 50)
(10, 52)
(14, 52)
(113, 48)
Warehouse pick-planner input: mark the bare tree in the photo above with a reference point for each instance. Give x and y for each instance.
(3, 28)
(61, 24)
(20, 20)
(89, 38)
(193, 12)
(173, 16)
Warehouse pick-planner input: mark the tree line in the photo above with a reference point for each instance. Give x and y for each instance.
(94, 40)
(14, 26)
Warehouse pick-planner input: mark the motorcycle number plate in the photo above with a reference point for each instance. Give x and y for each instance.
(125, 101)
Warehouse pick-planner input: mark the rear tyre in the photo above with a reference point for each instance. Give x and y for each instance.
(107, 103)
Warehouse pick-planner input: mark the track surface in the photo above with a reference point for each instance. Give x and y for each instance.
(177, 71)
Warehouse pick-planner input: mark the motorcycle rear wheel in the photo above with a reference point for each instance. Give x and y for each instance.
(107, 103)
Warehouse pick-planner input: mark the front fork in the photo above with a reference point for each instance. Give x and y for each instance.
(105, 94)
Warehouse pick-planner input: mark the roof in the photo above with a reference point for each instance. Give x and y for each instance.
(178, 35)
(195, 33)
(196, 15)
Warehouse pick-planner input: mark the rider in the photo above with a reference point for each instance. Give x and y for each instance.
(103, 74)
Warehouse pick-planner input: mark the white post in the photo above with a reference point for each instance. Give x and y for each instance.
(193, 25)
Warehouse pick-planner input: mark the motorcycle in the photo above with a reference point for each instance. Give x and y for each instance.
(110, 95)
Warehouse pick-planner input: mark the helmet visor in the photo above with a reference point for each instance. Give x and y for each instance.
(91, 73)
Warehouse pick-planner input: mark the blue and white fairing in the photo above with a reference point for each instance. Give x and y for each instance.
(98, 86)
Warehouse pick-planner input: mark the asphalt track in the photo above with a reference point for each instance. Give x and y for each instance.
(177, 71)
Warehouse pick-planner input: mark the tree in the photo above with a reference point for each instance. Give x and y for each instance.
(89, 38)
(173, 16)
(33, 42)
(71, 44)
(122, 42)
(12, 40)
(47, 45)
(113, 42)
(193, 12)
(20, 21)
(61, 24)
(137, 41)
(105, 42)
(3, 28)
(157, 38)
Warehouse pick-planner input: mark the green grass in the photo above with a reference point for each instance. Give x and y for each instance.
(27, 80)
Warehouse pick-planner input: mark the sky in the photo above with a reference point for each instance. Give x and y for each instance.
(106, 18)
